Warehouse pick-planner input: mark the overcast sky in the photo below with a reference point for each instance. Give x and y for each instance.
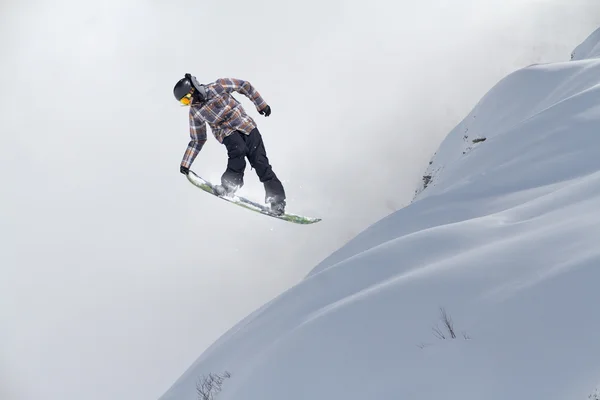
(116, 272)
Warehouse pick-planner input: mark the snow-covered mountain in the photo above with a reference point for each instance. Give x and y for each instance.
(503, 238)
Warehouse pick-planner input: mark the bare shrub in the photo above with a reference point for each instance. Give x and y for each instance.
(595, 395)
(447, 331)
(210, 385)
(448, 324)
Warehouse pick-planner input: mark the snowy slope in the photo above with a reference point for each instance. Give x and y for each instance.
(505, 237)
(590, 48)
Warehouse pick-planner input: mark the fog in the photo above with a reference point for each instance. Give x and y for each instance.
(116, 272)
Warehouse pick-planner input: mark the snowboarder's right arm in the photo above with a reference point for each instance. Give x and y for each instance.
(198, 138)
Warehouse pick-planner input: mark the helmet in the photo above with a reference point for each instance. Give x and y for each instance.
(189, 84)
(182, 87)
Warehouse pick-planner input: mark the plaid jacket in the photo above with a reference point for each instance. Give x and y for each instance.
(223, 113)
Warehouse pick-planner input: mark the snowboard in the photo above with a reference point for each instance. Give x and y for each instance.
(247, 203)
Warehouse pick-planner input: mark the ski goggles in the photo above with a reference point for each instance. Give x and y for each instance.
(186, 100)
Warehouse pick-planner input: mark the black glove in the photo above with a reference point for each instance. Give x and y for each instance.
(265, 111)
(184, 170)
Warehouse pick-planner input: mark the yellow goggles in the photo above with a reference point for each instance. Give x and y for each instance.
(186, 100)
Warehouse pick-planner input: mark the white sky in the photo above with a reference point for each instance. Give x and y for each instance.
(115, 272)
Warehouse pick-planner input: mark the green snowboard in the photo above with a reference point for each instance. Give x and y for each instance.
(249, 204)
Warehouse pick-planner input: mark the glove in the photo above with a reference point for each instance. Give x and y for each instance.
(184, 170)
(265, 111)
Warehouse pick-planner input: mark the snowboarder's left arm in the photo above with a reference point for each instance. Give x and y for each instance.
(197, 140)
(243, 87)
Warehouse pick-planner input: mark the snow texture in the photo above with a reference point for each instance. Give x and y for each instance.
(504, 237)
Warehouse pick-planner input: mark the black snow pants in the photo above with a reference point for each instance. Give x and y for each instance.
(239, 146)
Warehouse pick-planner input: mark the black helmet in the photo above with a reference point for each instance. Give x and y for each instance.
(185, 85)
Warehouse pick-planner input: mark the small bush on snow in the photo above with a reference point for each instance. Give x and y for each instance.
(448, 330)
(209, 386)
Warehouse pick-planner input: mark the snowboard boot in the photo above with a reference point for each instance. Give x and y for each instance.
(224, 191)
(277, 207)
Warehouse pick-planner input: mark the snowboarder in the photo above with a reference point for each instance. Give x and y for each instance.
(212, 103)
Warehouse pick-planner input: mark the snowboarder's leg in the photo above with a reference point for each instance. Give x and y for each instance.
(257, 156)
(233, 177)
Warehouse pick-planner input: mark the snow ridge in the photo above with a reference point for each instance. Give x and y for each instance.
(589, 48)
